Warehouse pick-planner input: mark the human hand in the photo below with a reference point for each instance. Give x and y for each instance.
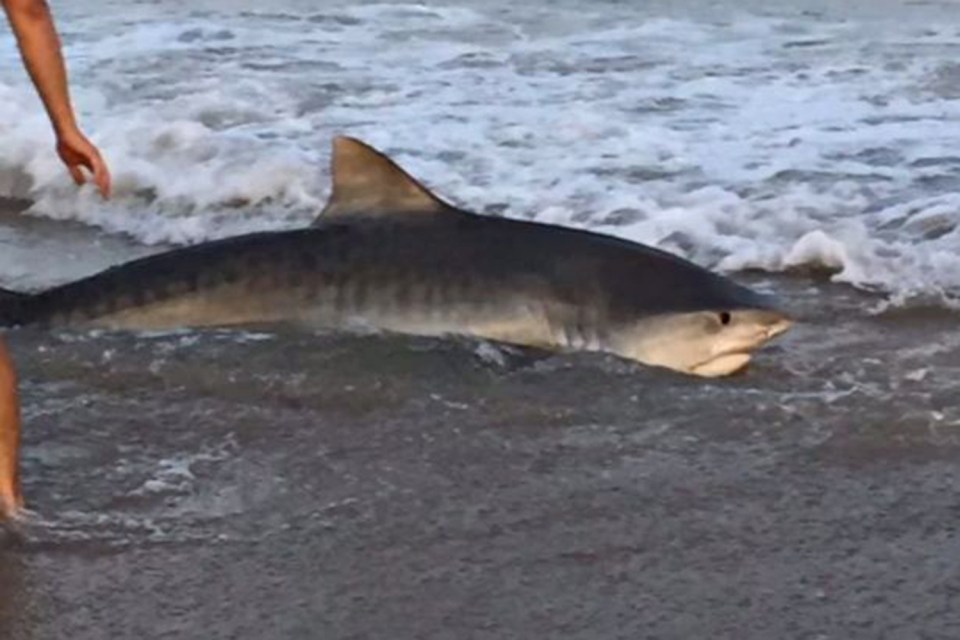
(76, 152)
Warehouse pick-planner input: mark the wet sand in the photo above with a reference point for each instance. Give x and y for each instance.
(224, 485)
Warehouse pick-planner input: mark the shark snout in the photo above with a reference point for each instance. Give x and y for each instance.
(777, 327)
(756, 330)
(733, 355)
(766, 325)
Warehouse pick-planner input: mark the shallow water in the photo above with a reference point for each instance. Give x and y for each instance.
(257, 484)
(271, 484)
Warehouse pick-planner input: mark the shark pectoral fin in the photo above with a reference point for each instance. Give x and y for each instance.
(368, 183)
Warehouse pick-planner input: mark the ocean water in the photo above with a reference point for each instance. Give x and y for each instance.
(229, 484)
(773, 136)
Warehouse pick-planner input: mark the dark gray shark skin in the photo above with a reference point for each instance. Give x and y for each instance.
(408, 262)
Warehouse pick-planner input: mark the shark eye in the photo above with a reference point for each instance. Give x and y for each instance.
(725, 318)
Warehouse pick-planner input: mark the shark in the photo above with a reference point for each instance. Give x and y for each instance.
(388, 254)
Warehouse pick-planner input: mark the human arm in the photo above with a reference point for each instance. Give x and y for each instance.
(40, 48)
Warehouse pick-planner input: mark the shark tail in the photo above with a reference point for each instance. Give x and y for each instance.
(11, 307)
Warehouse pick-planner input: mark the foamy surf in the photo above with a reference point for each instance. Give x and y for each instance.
(765, 139)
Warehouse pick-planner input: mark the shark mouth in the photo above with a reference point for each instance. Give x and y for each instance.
(722, 365)
(732, 362)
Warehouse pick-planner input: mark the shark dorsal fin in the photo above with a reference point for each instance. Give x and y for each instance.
(368, 183)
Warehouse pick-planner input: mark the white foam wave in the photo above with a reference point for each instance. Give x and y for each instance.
(777, 142)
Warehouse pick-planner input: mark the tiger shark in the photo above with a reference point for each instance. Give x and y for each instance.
(387, 254)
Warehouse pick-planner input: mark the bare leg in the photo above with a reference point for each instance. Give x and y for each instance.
(11, 500)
